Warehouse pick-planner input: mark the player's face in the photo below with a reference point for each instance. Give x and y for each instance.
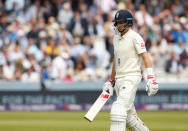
(120, 26)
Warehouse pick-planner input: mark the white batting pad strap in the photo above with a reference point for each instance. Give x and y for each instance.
(134, 123)
(138, 128)
(149, 71)
(117, 126)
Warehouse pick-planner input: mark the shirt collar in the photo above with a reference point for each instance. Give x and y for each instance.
(125, 35)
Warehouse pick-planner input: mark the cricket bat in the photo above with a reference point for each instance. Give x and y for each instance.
(97, 106)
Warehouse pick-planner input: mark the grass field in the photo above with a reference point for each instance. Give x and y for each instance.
(73, 121)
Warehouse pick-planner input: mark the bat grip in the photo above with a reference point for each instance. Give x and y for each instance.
(112, 81)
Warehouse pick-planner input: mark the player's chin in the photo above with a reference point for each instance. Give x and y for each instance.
(120, 30)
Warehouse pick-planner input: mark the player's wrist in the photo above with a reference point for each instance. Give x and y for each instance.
(112, 81)
(150, 73)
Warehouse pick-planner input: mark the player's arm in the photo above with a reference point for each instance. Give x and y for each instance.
(152, 85)
(112, 77)
(108, 86)
(147, 61)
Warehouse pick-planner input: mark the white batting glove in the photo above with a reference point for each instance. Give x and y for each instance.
(151, 86)
(108, 87)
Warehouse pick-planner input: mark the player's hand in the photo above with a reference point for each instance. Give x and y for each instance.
(151, 86)
(108, 87)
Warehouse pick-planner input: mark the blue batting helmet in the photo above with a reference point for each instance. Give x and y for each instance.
(123, 16)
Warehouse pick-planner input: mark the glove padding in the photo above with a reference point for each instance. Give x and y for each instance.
(108, 87)
(151, 86)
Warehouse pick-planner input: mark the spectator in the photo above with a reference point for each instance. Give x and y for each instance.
(173, 65)
(34, 10)
(34, 32)
(178, 48)
(78, 25)
(47, 10)
(30, 75)
(79, 72)
(65, 14)
(18, 70)
(177, 33)
(52, 48)
(184, 58)
(143, 17)
(78, 50)
(62, 34)
(44, 71)
(69, 75)
(3, 22)
(16, 54)
(8, 71)
(10, 4)
(65, 34)
(58, 68)
(105, 5)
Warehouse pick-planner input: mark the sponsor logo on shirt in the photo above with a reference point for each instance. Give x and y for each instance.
(142, 45)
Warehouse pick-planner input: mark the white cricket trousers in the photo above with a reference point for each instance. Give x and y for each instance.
(123, 113)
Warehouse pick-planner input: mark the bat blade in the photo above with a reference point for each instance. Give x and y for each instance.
(97, 106)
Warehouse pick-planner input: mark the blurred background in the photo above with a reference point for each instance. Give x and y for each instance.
(77, 34)
(56, 54)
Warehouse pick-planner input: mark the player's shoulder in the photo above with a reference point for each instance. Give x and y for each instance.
(134, 34)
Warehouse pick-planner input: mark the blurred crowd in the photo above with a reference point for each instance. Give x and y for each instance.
(72, 40)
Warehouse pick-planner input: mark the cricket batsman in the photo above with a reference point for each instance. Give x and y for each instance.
(129, 48)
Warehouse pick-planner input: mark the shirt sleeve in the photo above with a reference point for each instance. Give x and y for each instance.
(114, 43)
(139, 44)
